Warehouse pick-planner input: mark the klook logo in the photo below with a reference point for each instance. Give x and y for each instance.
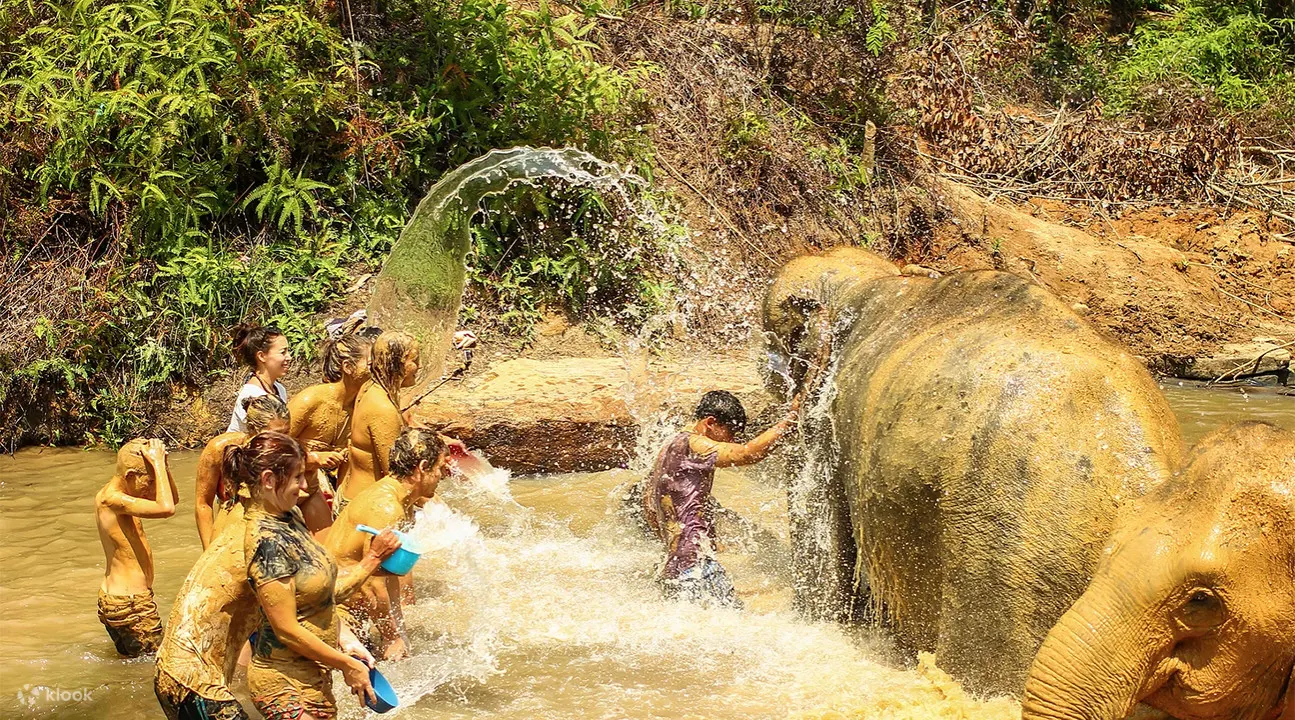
(29, 695)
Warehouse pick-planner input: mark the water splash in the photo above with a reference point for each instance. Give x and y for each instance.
(420, 287)
(481, 475)
(551, 612)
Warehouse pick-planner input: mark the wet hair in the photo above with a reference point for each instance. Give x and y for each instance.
(261, 410)
(387, 368)
(273, 451)
(252, 339)
(413, 446)
(130, 458)
(725, 408)
(347, 348)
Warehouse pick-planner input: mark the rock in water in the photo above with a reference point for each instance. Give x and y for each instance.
(1262, 356)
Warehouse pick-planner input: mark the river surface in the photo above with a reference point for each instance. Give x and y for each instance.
(538, 606)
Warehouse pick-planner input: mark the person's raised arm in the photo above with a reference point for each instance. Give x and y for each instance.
(278, 599)
(350, 579)
(753, 451)
(208, 477)
(163, 506)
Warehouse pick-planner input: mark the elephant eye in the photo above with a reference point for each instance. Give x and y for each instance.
(1203, 607)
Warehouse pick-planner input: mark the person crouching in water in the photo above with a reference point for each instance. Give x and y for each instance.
(296, 585)
(141, 488)
(677, 497)
(215, 610)
(419, 461)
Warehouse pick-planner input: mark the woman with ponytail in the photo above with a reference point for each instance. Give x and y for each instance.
(261, 412)
(265, 351)
(377, 419)
(321, 414)
(264, 556)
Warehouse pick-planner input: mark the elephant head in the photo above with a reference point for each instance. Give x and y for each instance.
(1192, 607)
(805, 294)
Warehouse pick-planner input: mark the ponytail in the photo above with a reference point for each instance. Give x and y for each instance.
(273, 451)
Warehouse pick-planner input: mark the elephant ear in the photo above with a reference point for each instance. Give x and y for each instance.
(1286, 708)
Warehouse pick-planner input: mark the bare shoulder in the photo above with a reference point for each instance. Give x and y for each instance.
(111, 499)
(309, 398)
(222, 441)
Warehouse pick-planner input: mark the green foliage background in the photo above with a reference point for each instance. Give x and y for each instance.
(238, 160)
(241, 155)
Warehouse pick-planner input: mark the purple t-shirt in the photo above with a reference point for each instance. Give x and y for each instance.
(678, 495)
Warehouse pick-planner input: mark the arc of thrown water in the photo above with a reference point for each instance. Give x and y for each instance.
(420, 287)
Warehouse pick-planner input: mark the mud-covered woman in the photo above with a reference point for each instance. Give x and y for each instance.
(264, 350)
(215, 610)
(377, 419)
(296, 583)
(321, 414)
(215, 494)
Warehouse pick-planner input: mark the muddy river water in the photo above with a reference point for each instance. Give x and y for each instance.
(541, 606)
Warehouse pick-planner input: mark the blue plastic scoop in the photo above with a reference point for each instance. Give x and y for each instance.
(386, 695)
(402, 560)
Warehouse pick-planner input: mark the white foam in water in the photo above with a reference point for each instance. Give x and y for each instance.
(520, 616)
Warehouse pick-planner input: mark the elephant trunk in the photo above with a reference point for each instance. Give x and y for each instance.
(1097, 662)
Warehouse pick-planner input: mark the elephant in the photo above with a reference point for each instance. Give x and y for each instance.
(969, 446)
(1192, 607)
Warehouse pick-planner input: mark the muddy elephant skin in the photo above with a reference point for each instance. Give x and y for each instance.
(981, 442)
(1192, 609)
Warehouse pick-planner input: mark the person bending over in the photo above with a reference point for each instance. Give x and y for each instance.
(260, 412)
(297, 586)
(677, 495)
(419, 461)
(215, 610)
(265, 351)
(141, 488)
(377, 419)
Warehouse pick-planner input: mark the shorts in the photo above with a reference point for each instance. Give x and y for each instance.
(180, 703)
(289, 690)
(706, 583)
(132, 622)
(292, 707)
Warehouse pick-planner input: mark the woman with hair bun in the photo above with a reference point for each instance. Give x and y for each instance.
(297, 586)
(321, 414)
(265, 351)
(215, 610)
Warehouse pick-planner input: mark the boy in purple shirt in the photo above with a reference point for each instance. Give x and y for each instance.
(677, 496)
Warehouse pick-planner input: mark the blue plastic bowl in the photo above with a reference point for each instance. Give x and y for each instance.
(386, 695)
(402, 560)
